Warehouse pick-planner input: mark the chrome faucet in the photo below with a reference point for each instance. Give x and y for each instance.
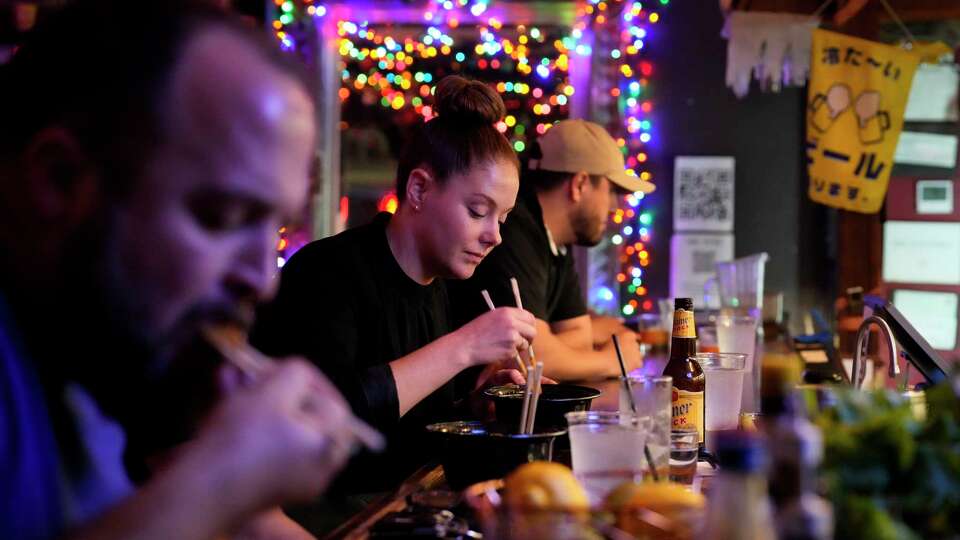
(858, 371)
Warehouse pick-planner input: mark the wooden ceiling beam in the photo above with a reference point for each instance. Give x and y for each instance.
(908, 10)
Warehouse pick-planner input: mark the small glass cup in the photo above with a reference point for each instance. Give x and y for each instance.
(683, 454)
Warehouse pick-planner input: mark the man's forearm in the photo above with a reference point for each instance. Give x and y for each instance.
(575, 333)
(578, 365)
(576, 339)
(602, 327)
(565, 363)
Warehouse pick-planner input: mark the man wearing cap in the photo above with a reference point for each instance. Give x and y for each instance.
(567, 192)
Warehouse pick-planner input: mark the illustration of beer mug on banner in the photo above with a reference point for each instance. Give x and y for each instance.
(824, 109)
(872, 121)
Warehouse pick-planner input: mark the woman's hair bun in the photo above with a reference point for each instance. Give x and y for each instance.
(462, 100)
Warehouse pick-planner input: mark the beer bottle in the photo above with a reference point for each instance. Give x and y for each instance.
(688, 379)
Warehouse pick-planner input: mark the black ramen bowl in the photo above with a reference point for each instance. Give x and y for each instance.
(555, 401)
(471, 451)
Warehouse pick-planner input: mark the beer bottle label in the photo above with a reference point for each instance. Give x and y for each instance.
(683, 325)
(687, 410)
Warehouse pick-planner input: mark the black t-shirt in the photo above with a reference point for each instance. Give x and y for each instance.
(548, 282)
(346, 305)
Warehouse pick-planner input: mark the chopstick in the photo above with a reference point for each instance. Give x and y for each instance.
(535, 398)
(532, 373)
(534, 389)
(519, 301)
(516, 292)
(489, 301)
(254, 364)
(527, 397)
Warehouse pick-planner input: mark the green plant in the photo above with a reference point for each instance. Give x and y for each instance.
(888, 474)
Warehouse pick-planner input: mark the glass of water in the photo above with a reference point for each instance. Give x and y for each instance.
(606, 449)
(722, 395)
(652, 397)
(738, 334)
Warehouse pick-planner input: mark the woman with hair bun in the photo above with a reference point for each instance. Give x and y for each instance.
(369, 305)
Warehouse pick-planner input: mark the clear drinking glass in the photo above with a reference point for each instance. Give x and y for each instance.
(684, 448)
(738, 334)
(707, 340)
(724, 373)
(651, 332)
(606, 449)
(652, 396)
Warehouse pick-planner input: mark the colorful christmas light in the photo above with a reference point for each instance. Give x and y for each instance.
(634, 23)
(529, 67)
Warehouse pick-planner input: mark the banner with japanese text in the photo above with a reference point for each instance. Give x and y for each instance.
(858, 92)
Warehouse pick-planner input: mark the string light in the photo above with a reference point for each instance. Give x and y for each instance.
(528, 66)
(397, 70)
(388, 202)
(632, 222)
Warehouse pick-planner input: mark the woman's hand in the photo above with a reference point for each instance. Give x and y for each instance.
(497, 336)
(495, 375)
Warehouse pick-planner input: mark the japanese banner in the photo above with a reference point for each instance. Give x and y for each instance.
(858, 92)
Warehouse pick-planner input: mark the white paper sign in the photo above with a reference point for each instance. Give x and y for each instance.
(692, 261)
(921, 252)
(933, 95)
(928, 149)
(933, 314)
(703, 194)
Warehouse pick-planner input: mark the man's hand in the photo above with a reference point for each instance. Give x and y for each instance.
(632, 359)
(602, 327)
(280, 438)
(271, 525)
(277, 439)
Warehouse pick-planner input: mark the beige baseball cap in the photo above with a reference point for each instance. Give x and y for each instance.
(577, 145)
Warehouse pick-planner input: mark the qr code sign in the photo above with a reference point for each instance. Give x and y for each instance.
(703, 261)
(703, 194)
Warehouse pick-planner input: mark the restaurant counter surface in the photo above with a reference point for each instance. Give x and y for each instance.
(430, 477)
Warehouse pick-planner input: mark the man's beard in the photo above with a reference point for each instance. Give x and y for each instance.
(585, 229)
(96, 340)
(157, 383)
